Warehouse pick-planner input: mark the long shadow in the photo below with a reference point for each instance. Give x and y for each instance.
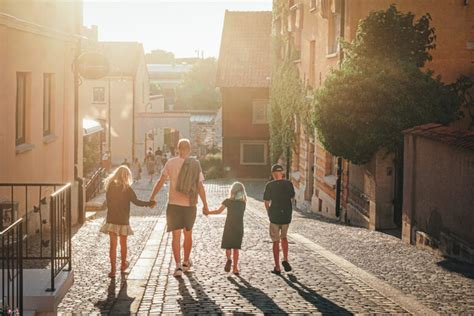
(453, 265)
(256, 297)
(116, 303)
(202, 304)
(323, 305)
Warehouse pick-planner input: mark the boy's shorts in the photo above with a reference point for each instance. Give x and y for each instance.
(278, 231)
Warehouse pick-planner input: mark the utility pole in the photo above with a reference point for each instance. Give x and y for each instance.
(339, 159)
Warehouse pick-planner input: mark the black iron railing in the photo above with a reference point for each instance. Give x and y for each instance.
(359, 200)
(94, 184)
(46, 213)
(12, 269)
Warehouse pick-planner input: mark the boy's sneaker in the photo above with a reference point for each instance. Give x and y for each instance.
(187, 265)
(178, 272)
(286, 266)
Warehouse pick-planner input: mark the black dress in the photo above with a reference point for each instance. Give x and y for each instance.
(234, 224)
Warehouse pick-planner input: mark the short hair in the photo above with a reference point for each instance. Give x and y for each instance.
(184, 143)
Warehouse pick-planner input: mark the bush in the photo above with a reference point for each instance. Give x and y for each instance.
(212, 166)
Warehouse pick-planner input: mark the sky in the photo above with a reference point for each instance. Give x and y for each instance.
(180, 26)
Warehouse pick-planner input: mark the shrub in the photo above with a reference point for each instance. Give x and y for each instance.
(212, 166)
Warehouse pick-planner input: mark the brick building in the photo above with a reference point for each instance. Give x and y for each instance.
(243, 77)
(368, 194)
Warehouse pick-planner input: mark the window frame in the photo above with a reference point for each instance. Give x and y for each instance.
(334, 30)
(19, 140)
(93, 95)
(259, 102)
(254, 142)
(48, 77)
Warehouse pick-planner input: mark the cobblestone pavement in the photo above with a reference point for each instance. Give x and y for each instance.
(322, 281)
(93, 291)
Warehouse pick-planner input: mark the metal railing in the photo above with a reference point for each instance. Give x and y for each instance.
(47, 223)
(359, 200)
(12, 269)
(94, 184)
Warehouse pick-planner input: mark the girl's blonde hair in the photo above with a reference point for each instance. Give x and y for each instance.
(122, 176)
(237, 192)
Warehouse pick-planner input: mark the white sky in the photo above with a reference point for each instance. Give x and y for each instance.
(179, 26)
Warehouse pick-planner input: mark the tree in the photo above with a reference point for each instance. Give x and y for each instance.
(380, 90)
(198, 89)
(159, 56)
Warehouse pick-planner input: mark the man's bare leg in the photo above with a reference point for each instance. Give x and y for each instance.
(188, 244)
(176, 245)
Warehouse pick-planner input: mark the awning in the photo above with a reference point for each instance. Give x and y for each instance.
(202, 118)
(90, 127)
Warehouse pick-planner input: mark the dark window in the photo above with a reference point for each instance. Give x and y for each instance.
(253, 154)
(47, 102)
(98, 94)
(21, 88)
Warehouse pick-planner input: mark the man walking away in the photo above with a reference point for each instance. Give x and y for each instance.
(278, 197)
(186, 184)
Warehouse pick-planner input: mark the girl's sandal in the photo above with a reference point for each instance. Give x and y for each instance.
(236, 272)
(227, 265)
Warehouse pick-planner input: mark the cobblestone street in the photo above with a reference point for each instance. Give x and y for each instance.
(337, 269)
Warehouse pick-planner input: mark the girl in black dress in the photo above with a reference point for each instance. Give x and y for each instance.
(234, 225)
(120, 194)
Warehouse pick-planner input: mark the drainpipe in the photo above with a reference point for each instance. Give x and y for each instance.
(339, 159)
(133, 117)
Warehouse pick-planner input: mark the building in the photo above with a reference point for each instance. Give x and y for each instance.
(371, 196)
(243, 76)
(115, 99)
(438, 197)
(37, 140)
(167, 78)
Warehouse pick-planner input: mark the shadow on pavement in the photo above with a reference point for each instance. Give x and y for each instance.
(201, 304)
(323, 305)
(116, 303)
(456, 266)
(256, 296)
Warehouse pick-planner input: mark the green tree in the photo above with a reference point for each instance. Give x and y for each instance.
(198, 89)
(380, 90)
(159, 56)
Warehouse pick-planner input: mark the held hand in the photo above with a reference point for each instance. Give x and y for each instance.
(153, 203)
(205, 210)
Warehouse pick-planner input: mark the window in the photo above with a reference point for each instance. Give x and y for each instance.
(98, 94)
(48, 94)
(260, 111)
(334, 27)
(21, 103)
(312, 5)
(253, 153)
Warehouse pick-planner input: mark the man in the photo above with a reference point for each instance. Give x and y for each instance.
(278, 197)
(181, 210)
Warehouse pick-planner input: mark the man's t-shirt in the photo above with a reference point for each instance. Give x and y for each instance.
(279, 193)
(171, 171)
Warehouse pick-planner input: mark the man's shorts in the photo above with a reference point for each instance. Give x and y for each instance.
(179, 217)
(278, 232)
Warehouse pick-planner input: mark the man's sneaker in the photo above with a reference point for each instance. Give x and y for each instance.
(178, 272)
(187, 265)
(286, 266)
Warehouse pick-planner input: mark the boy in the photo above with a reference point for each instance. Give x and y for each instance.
(278, 197)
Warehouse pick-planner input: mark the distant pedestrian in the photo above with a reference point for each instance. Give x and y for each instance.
(234, 225)
(278, 197)
(136, 169)
(119, 194)
(125, 163)
(150, 165)
(106, 161)
(158, 161)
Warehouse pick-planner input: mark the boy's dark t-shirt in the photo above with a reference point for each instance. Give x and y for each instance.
(279, 193)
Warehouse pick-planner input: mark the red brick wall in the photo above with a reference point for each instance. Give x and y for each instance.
(237, 126)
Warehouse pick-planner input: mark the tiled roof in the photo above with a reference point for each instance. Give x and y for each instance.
(445, 134)
(123, 57)
(244, 57)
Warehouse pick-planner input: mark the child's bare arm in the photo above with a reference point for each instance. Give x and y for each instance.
(219, 210)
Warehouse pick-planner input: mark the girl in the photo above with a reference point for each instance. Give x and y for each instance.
(234, 224)
(119, 194)
(136, 170)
